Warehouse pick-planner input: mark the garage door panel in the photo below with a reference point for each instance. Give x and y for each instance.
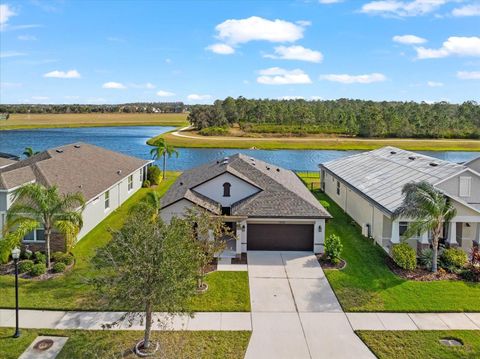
(280, 237)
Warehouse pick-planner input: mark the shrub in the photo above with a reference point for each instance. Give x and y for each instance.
(146, 184)
(426, 257)
(40, 258)
(65, 258)
(453, 257)
(55, 256)
(333, 248)
(471, 274)
(25, 266)
(475, 256)
(154, 175)
(324, 203)
(404, 256)
(59, 267)
(38, 269)
(214, 131)
(26, 254)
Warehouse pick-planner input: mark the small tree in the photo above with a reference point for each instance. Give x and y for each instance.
(148, 265)
(162, 149)
(211, 238)
(429, 208)
(29, 152)
(36, 206)
(333, 248)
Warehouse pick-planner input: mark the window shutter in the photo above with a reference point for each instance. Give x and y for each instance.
(465, 186)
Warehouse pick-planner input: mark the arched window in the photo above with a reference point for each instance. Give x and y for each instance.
(226, 189)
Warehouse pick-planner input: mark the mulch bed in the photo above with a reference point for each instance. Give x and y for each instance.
(240, 260)
(420, 274)
(326, 264)
(9, 269)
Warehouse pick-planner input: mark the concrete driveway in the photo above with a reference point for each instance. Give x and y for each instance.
(295, 313)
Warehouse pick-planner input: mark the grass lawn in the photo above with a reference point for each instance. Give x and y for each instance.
(72, 292)
(30, 121)
(119, 344)
(368, 285)
(421, 344)
(318, 143)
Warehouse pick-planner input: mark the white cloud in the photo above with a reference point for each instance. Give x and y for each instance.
(239, 31)
(279, 76)
(316, 98)
(402, 8)
(114, 85)
(409, 39)
(467, 10)
(5, 54)
(434, 84)
(460, 46)
(351, 79)
(26, 37)
(221, 49)
(329, 1)
(70, 74)
(198, 97)
(468, 75)
(163, 93)
(288, 97)
(296, 52)
(6, 12)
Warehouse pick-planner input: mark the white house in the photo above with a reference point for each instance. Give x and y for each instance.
(105, 178)
(268, 206)
(368, 187)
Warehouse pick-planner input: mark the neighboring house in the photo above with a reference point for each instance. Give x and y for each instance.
(368, 187)
(105, 178)
(268, 207)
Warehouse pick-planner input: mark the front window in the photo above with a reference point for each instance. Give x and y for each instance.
(35, 236)
(226, 189)
(130, 182)
(107, 200)
(338, 188)
(402, 228)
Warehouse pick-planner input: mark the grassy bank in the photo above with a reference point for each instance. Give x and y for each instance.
(228, 290)
(33, 121)
(421, 344)
(317, 143)
(119, 344)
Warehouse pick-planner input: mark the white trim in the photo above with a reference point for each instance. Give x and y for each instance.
(465, 186)
(456, 174)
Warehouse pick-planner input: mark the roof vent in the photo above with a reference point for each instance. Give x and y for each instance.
(59, 151)
(181, 183)
(268, 168)
(278, 169)
(393, 152)
(225, 162)
(119, 172)
(76, 146)
(433, 164)
(80, 186)
(225, 158)
(411, 158)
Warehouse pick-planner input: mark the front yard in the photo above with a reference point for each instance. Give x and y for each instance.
(228, 290)
(368, 285)
(421, 344)
(113, 344)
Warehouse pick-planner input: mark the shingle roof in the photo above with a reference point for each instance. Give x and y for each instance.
(381, 174)
(4, 162)
(281, 193)
(78, 167)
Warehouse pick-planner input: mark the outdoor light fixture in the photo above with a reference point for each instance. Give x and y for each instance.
(16, 256)
(243, 228)
(319, 227)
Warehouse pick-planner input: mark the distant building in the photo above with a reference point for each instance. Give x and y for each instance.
(4, 116)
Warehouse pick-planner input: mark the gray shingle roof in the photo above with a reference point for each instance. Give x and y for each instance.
(78, 167)
(381, 174)
(281, 193)
(4, 162)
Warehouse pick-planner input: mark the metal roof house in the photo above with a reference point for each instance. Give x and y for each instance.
(368, 187)
(268, 206)
(105, 178)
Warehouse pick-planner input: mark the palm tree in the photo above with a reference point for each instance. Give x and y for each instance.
(29, 152)
(149, 203)
(162, 149)
(36, 206)
(429, 208)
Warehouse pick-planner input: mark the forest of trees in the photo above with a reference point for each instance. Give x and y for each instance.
(343, 116)
(138, 107)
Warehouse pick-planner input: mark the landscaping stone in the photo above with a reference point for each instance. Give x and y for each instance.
(34, 352)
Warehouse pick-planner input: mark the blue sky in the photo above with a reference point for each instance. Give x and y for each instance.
(197, 51)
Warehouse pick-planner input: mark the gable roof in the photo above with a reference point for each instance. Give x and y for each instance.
(281, 193)
(78, 167)
(381, 174)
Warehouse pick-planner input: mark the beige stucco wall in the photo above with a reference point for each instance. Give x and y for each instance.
(452, 186)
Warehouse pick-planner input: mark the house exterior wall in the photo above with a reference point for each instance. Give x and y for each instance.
(452, 186)
(475, 165)
(214, 189)
(176, 209)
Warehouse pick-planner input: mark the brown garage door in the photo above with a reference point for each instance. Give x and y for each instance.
(280, 237)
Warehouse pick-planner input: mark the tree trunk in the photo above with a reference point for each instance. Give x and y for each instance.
(48, 232)
(164, 164)
(435, 253)
(148, 325)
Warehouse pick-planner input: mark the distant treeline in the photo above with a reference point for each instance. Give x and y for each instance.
(343, 116)
(139, 107)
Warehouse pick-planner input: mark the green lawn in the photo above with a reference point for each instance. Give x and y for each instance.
(421, 344)
(119, 344)
(368, 285)
(73, 292)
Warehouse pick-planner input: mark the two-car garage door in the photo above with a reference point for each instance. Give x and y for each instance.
(280, 237)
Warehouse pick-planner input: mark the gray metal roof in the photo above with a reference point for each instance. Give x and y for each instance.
(281, 193)
(381, 174)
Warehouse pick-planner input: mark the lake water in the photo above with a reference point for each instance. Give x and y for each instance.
(131, 141)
